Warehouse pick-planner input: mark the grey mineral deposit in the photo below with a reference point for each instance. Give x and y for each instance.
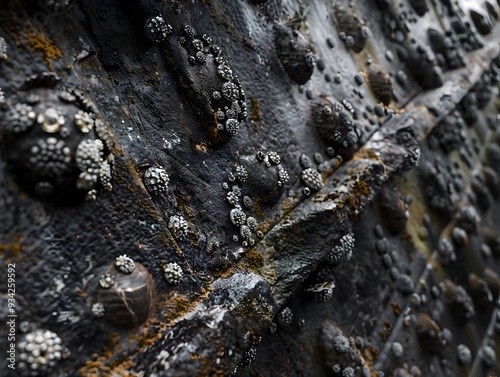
(249, 188)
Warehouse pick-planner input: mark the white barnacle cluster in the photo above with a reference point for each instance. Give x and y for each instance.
(19, 118)
(156, 29)
(94, 168)
(51, 157)
(62, 146)
(106, 281)
(179, 226)
(312, 179)
(2, 96)
(272, 158)
(343, 251)
(156, 180)
(173, 273)
(84, 121)
(228, 100)
(246, 224)
(98, 310)
(240, 173)
(285, 317)
(39, 352)
(341, 343)
(125, 264)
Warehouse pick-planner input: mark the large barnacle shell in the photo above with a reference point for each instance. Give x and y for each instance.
(380, 83)
(295, 53)
(335, 125)
(482, 22)
(352, 26)
(126, 298)
(262, 183)
(392, 209)
(428, 331)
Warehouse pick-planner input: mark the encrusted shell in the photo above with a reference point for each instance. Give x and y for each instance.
(392, 209)
(334, 125)
(380, 83)
(352, 26)
(126, 297)
(295, 53)
(428, 331)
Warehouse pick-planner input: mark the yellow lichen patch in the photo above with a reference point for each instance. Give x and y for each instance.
(254, 260)
(395, 308)
(122, 369)
(224, 272)
(370, 355)
(45, 46)
(361, 188)
(255, 113)
(13, 250)
(94, 368)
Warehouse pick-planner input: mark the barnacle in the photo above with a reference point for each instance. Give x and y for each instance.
(312, 179)
(157, 30)
(19, 118)
(285, 317)
(488, 355)
(125, 264)
(89, 159)
(98, 310)
(172, 272)
(126, 291)
(178, 224)
(51, 120)
(353, 28)
(84, 121)
(240, 173)
(464, 355)
(50, 157)
(237, 216)
(294, 52)
(39, 352)
(341, 343)
(333, 123)
(343, 251)
(380, 83)
(156, 180)
(213, 90)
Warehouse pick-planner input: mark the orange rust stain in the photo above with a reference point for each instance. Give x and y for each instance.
(202, 147)
(395, 308)
(255, 113)
(45, 46)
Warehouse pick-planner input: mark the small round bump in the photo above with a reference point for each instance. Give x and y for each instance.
(156, 180)
(157, 30)
(173, 273)
(312, 179)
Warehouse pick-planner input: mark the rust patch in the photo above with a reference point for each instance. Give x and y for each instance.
(255, 113)
(45, 46)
